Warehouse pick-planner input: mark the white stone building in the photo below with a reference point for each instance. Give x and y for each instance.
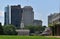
(54, 18)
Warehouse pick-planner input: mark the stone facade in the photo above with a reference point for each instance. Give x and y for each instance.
(28, 15)
(23, 32)
(54, 19)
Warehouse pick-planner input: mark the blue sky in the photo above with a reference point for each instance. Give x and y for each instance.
(42, 8)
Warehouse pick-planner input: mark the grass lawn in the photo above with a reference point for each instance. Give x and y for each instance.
(27, 37)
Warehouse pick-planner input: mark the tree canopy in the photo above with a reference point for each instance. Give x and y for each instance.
(10, 30)
(1, 29)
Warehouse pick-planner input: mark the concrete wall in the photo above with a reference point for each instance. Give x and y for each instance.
(23, 32)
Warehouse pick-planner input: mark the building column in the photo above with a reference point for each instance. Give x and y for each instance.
(58, 30)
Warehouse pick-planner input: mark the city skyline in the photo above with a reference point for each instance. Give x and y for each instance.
(42, 8)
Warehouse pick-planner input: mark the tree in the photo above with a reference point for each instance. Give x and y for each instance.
(52, 28)
(31, 28)
(10, 30)
(35, 28)
(1, 30)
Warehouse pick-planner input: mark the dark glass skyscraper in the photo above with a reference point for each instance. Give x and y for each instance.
(13, 15)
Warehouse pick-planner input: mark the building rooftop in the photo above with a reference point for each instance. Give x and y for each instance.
(38, 20)
(27, 7)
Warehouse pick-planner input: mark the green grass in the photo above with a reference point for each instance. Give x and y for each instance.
(27, 37)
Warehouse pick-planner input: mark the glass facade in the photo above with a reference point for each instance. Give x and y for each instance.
(15, 13)
(6, 15)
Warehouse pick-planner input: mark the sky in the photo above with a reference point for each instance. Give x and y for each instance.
(41, 8)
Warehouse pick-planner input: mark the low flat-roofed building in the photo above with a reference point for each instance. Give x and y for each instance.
(37, 23)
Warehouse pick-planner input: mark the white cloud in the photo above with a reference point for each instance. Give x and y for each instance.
(1, 13)
(22, 6)
(2, 17)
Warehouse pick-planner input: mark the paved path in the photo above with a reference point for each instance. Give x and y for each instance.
(54, 36)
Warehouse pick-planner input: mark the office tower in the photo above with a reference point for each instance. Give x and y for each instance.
(28, 15)
(13, 15)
